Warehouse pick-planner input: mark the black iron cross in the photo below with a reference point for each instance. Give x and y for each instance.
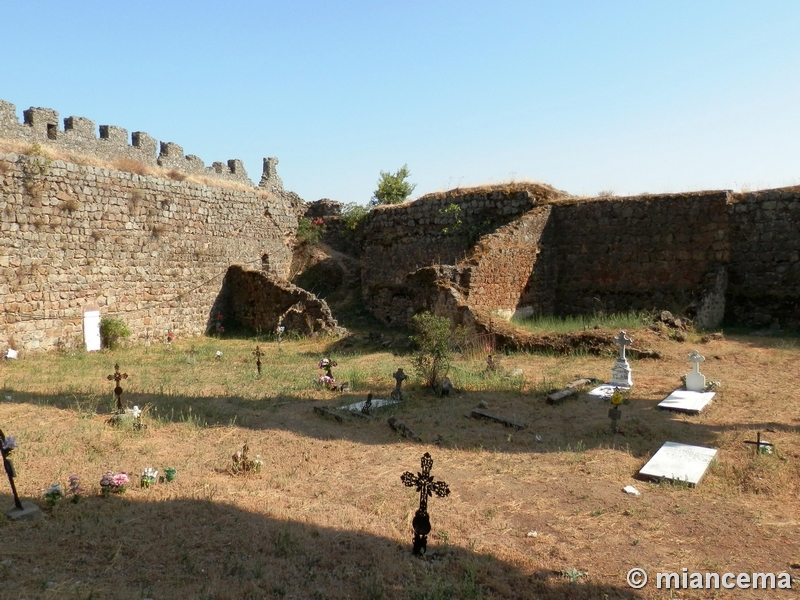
(426, 487)
(9, 468)
(117, 377)
(759, 444)
(367, 405)
(258, 354)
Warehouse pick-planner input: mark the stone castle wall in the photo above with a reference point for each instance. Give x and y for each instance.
(151, 251)
(708, 254)
(764, 270)
(640, 253)
(439, 229)
(80, 136)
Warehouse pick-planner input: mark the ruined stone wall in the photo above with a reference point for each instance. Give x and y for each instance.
(434, 230)
(148, 250)
(764, 270)
(260, 302)
(503, 263)
(79, 136)
(638, 253)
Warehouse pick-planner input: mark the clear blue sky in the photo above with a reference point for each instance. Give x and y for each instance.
(631, 97)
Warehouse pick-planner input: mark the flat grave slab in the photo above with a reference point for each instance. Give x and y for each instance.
(687, 401)
(376, 403)
(679, 462)
(604, 392)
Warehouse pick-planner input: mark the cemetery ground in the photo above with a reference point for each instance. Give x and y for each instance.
(533, 513)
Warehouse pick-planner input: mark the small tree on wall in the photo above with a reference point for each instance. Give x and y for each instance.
(393, 187)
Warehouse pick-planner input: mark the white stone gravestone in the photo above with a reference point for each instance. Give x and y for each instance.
(695, 380)
(679, 462)
(621, 371)
(91, 329)
(694, 398)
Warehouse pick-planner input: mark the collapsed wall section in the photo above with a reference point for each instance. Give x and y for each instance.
(260, 302)
(150, 251)
(764, 270)
(439, 229)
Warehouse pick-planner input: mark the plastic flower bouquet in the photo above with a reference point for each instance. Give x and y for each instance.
(113, 483)
(53, 494)
(149, 477)
(75, 489)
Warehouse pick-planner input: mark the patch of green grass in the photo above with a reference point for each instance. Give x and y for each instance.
(556, 324)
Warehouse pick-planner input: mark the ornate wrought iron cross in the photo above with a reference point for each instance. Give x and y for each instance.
(258, 354)
(426, 487)
(9, 468)
(117, 377)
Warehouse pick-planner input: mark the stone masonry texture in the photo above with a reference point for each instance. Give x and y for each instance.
(148, 250)
(708, 254)
(79, 136)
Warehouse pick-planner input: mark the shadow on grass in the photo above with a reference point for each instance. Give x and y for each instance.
(575, 426)
(124, 547)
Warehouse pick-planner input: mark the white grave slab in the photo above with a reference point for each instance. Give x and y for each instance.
(679, 462)
(376, 403)
(687, 401)
(91, 330)
(604, 392)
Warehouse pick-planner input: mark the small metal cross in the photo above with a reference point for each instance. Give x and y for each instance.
(426, 487)
(258, 354)
(367, 405)
(759, 444)
(117, 377)
(9, 468)
(622, 340)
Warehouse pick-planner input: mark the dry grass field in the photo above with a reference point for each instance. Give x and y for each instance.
(328, 516)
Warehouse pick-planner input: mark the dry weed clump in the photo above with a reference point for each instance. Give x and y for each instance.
(130, 165)
(176, 175)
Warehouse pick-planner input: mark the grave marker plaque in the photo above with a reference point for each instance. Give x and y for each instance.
(679, 462)
(91, 329)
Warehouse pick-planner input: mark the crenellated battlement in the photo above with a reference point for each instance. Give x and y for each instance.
(80, 135)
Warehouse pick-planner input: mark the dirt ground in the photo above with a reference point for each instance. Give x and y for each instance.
(533, 513)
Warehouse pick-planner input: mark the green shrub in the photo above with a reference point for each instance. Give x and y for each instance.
(393, 187)
(353, 216)
(112, 331)
(435, 341)
(308, 231)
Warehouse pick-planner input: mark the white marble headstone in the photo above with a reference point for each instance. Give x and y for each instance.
(695, 380)
(91, 329)
(621, 371)
(686, 401)
(679, 462)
